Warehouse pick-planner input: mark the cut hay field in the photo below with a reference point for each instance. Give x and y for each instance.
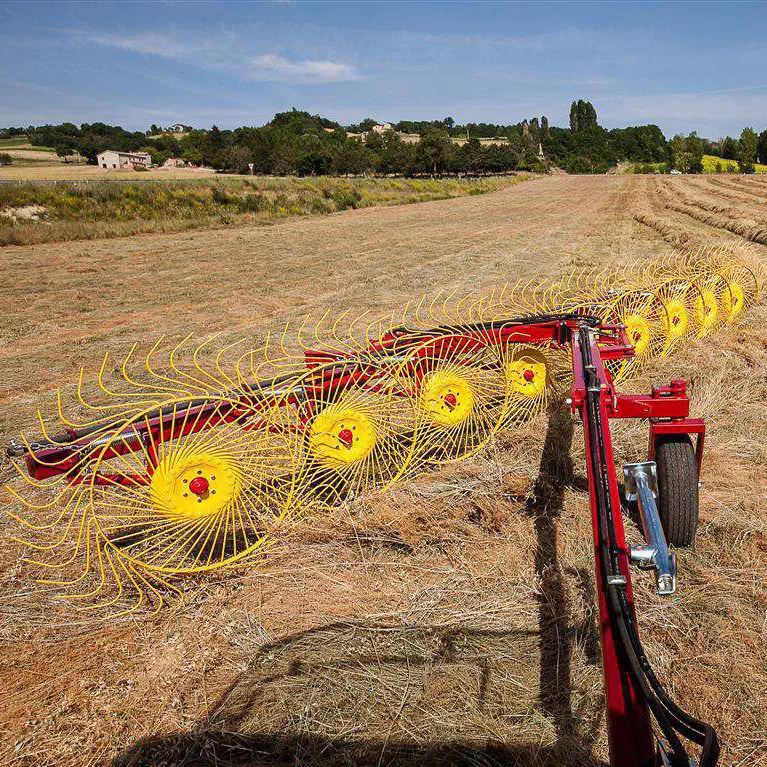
(449, 621)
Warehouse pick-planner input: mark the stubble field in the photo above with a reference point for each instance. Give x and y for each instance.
(451, 620)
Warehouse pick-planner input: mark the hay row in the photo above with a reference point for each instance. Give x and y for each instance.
(721, 190)
(759, 191)
(711, 207)
(747, 229)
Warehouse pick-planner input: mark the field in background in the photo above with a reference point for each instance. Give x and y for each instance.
(34, 213)
(712, 164)
(54, 170)
(25, 156)
(450, 620)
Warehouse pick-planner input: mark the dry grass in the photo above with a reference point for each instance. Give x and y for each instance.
(449, 621)
(118, 209)
(55, 170)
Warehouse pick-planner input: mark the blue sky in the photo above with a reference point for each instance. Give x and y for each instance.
(685, 65)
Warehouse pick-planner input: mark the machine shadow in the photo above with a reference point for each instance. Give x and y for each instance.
(322, 667)
(556, 636)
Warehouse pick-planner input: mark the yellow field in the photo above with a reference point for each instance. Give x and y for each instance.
(710, 165)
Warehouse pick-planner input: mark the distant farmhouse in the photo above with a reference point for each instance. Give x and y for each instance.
(112, 159)
(381, 128)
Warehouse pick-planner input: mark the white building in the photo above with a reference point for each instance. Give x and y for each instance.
(381, 128)
(112, 159)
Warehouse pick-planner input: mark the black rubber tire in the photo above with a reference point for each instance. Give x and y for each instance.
(677, 488)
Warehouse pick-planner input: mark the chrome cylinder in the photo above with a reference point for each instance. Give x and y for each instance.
(641, 484)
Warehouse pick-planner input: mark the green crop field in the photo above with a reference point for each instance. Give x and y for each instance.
(21, 142)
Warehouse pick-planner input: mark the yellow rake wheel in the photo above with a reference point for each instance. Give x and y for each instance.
(677, 317)
(218, 477)
(356, 436)
(461, 392)
(742, 290)
(530, 373)
(646, 319)
(127, 505)
(707, 302)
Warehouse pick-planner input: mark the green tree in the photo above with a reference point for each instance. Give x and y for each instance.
(761, 148)
(64, 152)
(432, 151)
(192, 155)
(686, 153)
(5, 159)
(728, 148)
(747, 149)
(582, 116)
(470, 157)
(392, 154)
(679, 157)
(351, 157)
(694, 146)
(546, 133)
(574, 116)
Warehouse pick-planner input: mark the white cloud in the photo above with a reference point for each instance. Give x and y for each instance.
(273, 67)
(150, 44)
(225, 52)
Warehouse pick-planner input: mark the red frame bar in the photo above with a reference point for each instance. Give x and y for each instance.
(628, 719)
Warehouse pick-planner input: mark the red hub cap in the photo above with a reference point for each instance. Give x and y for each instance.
(199, 486)
(450, 400)
(346, 436)
(528, 375)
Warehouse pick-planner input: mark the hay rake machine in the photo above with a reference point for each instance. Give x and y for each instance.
(197, 468)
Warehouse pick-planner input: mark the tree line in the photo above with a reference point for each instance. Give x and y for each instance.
(296, 142)
(750, 148)
(685, 153)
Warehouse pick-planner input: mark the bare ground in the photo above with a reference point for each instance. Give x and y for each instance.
(450, 619)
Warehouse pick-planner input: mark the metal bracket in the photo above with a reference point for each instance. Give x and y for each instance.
(641, 485)
(649, 469)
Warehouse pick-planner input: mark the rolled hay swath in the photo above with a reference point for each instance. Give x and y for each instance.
(183, 467)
